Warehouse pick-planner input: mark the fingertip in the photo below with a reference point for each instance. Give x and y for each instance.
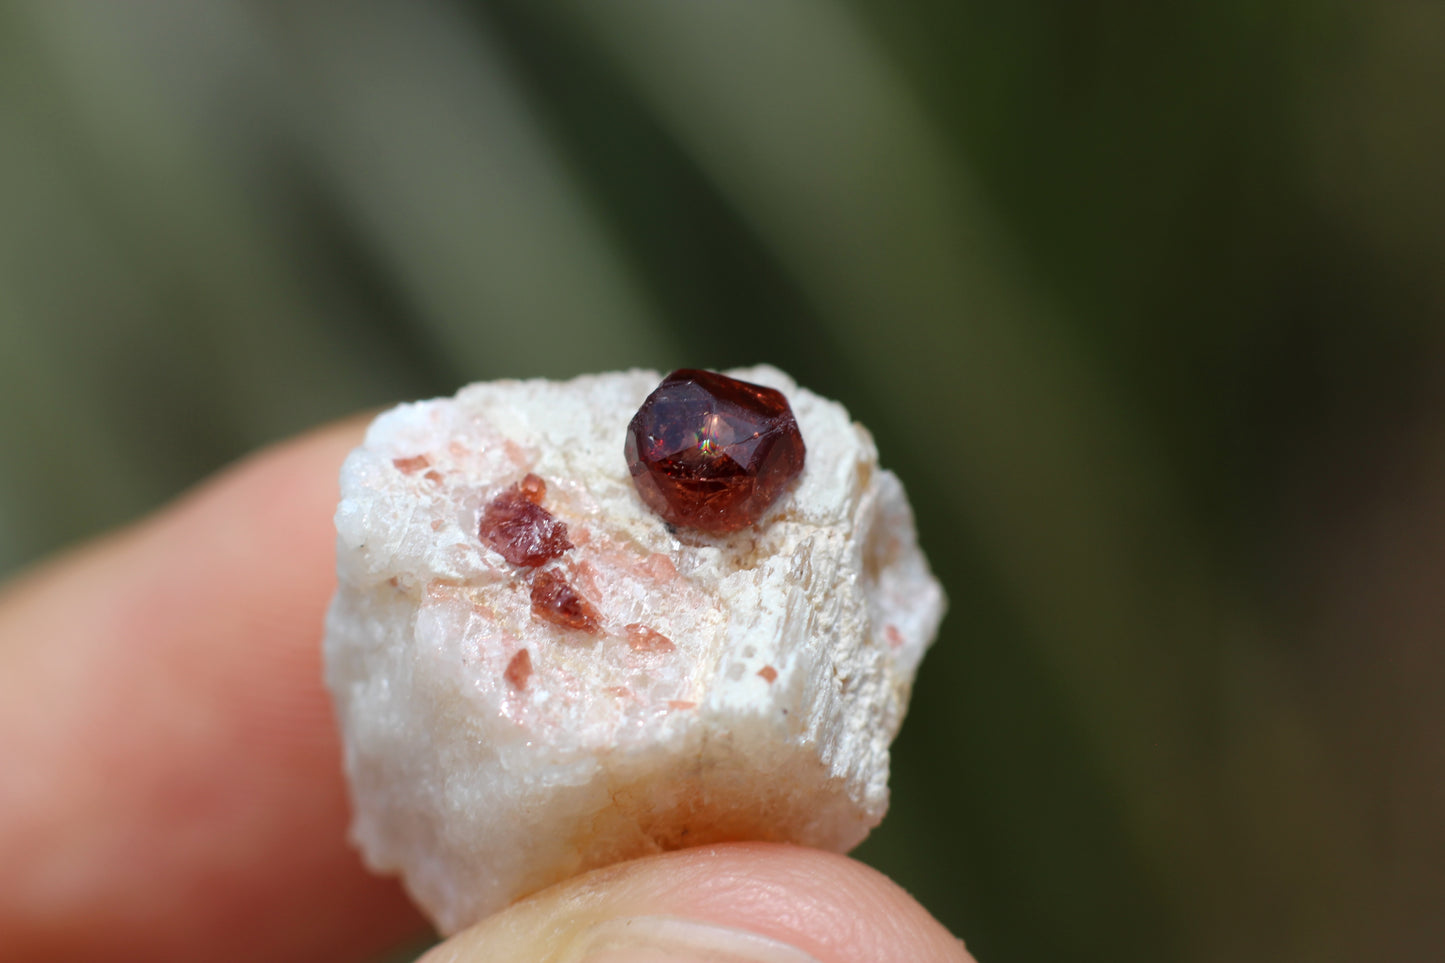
(736, 902)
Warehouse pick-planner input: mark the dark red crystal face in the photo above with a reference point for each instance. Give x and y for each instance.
(710, 452)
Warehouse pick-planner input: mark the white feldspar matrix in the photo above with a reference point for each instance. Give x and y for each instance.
(535, 675)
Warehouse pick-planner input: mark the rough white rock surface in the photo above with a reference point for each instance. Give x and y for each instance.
(795, 640)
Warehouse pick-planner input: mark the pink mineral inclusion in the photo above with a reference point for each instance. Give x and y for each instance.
(644, 639)
(519, 670)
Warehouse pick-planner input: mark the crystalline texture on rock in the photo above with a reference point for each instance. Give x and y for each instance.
(526, 695)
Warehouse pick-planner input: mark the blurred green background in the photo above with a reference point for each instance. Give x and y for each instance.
(1143, 303)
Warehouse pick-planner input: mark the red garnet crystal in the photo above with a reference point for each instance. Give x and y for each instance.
(710, 452)
(518, 527)
(557, 602)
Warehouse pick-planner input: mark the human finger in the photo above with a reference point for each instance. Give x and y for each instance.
(733, 903)
(172, 784)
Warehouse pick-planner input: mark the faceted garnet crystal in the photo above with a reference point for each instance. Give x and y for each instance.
(710, 452)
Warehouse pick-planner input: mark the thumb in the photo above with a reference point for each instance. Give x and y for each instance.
(735, 903)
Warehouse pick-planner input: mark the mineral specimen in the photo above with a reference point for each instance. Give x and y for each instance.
(524, 695)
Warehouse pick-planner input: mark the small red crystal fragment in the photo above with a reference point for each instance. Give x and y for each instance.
(644, 639)
(523, 532)
(710, 452)
(409, 465)
(433, 476)
(768, 673)
(519, 670)
(534, 488)
(557, 602)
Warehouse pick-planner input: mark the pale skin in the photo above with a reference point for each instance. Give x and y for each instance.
(170, 782)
